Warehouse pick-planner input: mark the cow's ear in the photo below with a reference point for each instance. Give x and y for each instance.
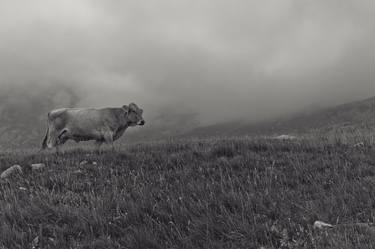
(133, 107)
(126, 108)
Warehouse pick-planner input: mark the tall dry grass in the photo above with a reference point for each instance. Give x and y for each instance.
(214, 193)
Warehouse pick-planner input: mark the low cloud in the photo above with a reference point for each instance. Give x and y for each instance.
(220, 60)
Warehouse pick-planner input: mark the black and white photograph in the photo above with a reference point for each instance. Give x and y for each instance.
(183, 124)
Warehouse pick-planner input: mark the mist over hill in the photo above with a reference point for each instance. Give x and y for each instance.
(23, 120)
(354, 115)
(23, 113)
(220, 60)
(195, 69)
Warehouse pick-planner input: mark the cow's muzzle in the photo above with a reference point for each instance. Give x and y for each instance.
(142, 122)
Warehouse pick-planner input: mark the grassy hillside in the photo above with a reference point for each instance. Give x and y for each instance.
(359, 115)
(218, 193)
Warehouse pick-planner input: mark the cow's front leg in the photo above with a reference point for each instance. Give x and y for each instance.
(61, 139)
(108, 138)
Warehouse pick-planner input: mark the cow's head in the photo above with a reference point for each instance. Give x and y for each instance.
(134, 115)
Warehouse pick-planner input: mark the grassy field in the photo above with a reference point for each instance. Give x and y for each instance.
(217, 193)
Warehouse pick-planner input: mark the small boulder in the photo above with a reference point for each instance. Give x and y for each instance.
(286, 137)
(88, 162)
(321, 225)
(359, 145)
(78, 171)
(37, 166)
(11, 171)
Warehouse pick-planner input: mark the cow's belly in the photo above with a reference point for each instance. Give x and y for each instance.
(83, 134)
(78, 137)
(86, 125)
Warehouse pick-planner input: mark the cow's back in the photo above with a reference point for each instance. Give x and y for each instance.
(88, 121)
(82, 124)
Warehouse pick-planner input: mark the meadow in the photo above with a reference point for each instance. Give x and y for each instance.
(209, 193)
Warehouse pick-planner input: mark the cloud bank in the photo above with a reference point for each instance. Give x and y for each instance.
(222, 60)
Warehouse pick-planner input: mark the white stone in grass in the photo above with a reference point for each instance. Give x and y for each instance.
(84, 162)
(10, 171)
(286, 137)
(321, 225)
(37, 166)
(358, 145)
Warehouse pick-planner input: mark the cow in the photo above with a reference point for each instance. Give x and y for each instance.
(104, 125)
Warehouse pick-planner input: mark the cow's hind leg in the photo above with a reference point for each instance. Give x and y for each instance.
(98, 144)
(57, 149)
(61, 139)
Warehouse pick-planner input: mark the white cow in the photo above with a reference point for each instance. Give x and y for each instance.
(83, 124)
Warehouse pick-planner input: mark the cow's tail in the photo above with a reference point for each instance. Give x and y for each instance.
(44, 143)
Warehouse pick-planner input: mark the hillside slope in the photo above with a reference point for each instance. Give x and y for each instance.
(354, 115)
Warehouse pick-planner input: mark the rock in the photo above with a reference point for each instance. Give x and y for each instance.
(320, 225)
(11, 171)
(37, 166)
(359, 145)
(285, 137)
(86, 162)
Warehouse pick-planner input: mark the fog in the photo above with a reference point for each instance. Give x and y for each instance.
(219, 60)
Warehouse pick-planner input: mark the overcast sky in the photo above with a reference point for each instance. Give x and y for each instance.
(223, 60)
